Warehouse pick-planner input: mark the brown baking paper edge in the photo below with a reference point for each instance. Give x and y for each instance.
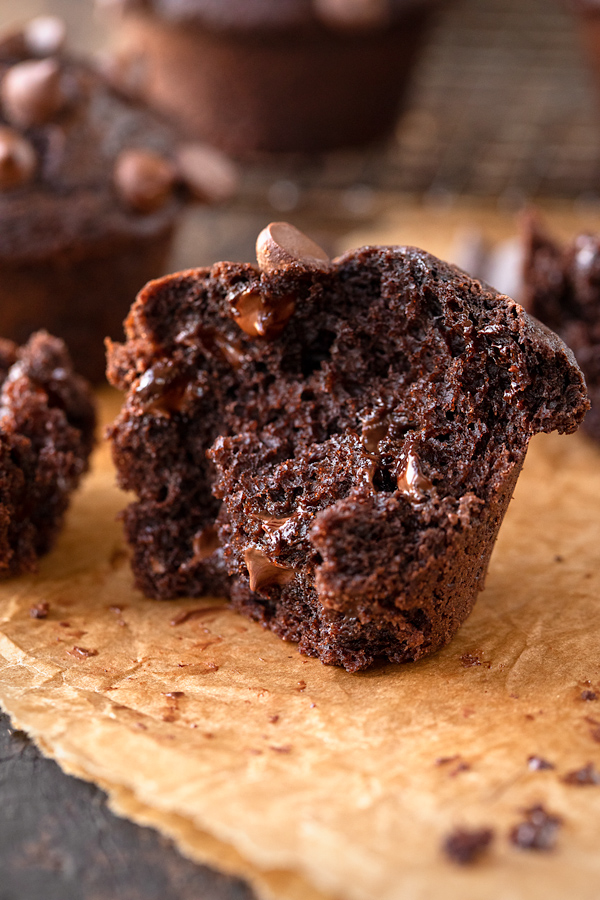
(304, 778)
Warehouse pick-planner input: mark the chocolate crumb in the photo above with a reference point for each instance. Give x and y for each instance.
(39, 610)
(82, 652)
(273, 719)
(538, 831)
(472, 659)
(583, 777)
(539, 764)
(465, 846)
(588, 695)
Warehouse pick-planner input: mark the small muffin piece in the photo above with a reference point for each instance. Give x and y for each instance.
(47, 420)
(283, 76)
(91, 189)
(365, 419)
(561, 287)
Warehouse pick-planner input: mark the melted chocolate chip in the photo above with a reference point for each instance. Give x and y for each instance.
(32, 92)
(373, 431)
(257, 319)
(264, 573)
(410, 479)
(205, 543)
(18, 161)
(209, 176)
(538, 831)
(45, 35)
(280, 246)
(466, 845)
(144, 180)
(163, 389)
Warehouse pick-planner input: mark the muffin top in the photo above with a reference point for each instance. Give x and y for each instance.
(81, 162)
(246, 15)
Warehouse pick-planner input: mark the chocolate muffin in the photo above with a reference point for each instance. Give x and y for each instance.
(91, 186)
(294, 75)
(365, 420)
(561, 287)
(47, 420)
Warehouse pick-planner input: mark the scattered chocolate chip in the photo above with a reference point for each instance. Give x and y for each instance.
(588, 695)
(45, 35)
(258, 319)
(144, 180)
(17, 159)
(301, 686)
(39, 610)
(32, 93)
(585, 776)
(465, 846)
(444, 760)
(82, 652)
(280, 245)
(538, 831)
(539, 764)
(264, 573)
(201, 613)
(209, 176)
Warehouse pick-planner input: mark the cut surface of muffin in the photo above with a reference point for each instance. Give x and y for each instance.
(332, 443)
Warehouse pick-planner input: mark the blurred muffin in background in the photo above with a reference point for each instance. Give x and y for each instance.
(273, 75)
(561, 287)
(588, 14)
(91, 187)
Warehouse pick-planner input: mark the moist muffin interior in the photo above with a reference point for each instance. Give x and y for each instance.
(358, 443)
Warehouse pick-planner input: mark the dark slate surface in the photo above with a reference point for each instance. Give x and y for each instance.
(59, 841)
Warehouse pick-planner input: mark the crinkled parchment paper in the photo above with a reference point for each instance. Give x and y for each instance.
(309, 781)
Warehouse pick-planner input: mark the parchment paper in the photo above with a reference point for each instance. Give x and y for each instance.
(306, 779)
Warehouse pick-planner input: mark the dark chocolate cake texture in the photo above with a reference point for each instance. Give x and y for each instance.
(47, 420)
(333, 444)
(561, 287)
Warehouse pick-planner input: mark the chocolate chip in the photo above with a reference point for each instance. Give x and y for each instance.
(464, 846)
(144, 180)
(585, 776)
(353, 13)
(538, 831)
(280, 245)
(209, 176)
(17, 159)
(256, 318)
(45, 35)
(538, 764)
(263, 572)
(32, 93)
(39, 611)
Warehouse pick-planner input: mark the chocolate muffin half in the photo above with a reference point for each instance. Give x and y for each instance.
(92, 184)
(47, 420)
(365, 420)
